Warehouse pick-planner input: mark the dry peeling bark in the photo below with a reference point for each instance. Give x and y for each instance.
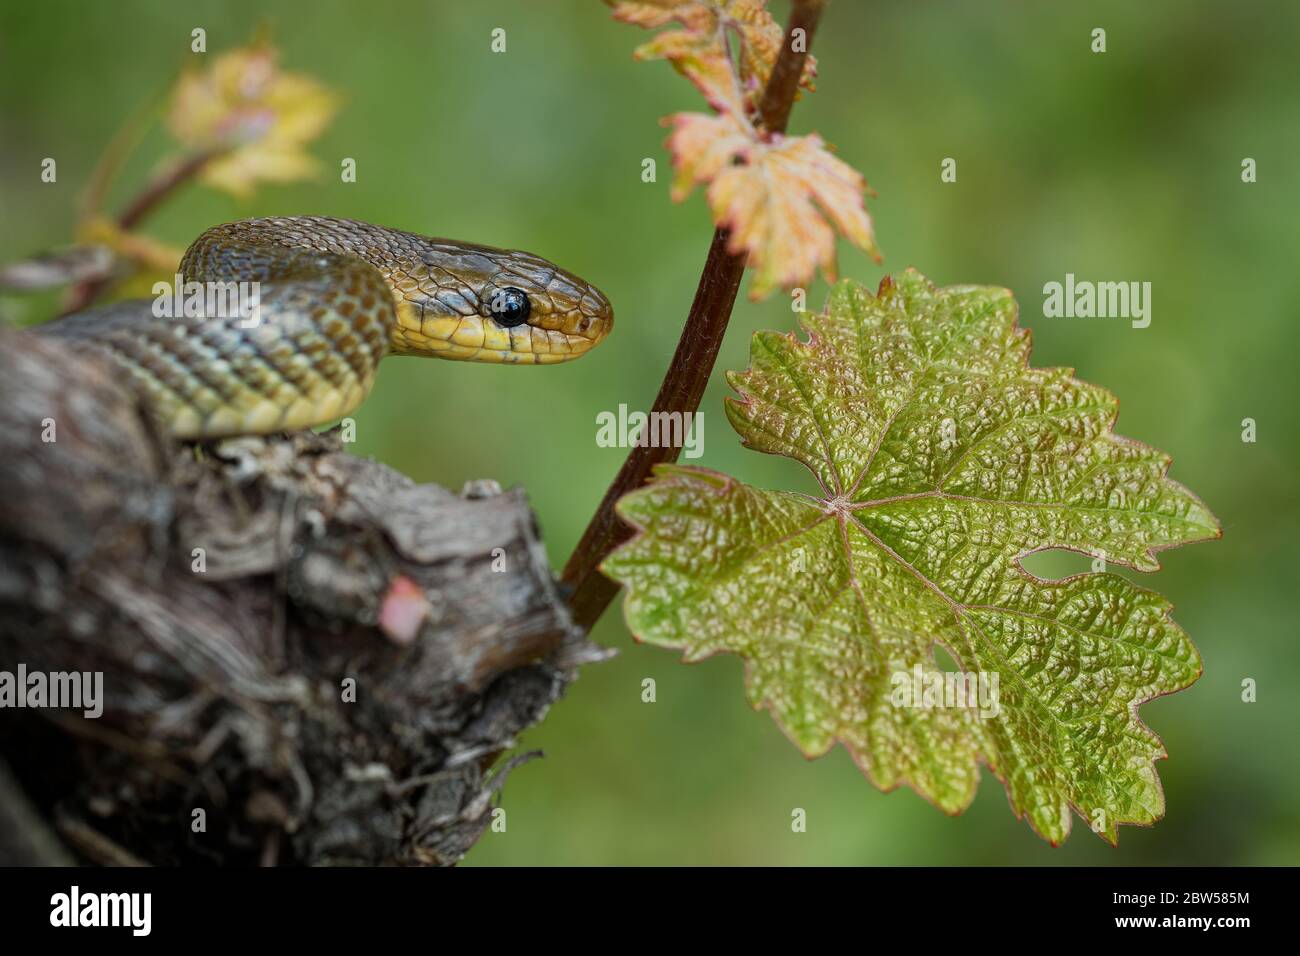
(225, 688)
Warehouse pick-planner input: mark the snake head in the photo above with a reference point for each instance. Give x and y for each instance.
(479, 304)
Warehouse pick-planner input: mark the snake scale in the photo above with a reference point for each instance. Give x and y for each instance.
(335, 296)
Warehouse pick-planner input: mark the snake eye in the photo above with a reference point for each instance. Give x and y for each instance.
(509, 307)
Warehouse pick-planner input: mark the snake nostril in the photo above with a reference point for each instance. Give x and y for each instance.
(595, 305)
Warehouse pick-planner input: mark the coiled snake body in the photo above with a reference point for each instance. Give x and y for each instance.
(336, 295)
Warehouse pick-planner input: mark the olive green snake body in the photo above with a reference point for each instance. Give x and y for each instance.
(334, 297)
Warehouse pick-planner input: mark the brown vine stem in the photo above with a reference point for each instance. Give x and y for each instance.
(148, 199)
(164, 185)
(697, 349)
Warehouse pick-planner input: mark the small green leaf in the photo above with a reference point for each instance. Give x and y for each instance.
(943, 460)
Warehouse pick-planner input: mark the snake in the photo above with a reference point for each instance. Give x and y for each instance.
(328, 299)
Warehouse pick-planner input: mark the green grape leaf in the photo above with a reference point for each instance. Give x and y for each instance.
(943, 460)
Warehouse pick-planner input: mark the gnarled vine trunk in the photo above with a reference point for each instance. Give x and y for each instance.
(306, 657)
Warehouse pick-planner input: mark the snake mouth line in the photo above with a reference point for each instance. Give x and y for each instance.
(472, 338)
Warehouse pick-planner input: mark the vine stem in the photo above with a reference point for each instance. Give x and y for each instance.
(162, 186)
(149, 198)
(697, 349)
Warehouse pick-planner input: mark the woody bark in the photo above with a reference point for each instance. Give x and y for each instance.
(267, 698)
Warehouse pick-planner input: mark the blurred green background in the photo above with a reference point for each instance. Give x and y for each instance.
(1120, 166)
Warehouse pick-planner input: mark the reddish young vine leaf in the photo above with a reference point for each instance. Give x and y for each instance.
(782, 199)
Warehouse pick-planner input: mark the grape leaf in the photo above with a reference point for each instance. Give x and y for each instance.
(256, 118)
(943, 459)
(701, 50)
(778, 197)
